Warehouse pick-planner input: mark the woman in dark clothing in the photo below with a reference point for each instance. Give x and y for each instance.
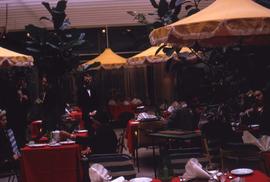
(104, 140)
(101, 140)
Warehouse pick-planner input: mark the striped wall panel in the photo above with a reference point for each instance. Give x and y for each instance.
(82, 13)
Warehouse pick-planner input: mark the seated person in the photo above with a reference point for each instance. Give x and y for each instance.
(253, 114)
(222, 131)
(103, 139)
(9, 151)
(182, 118)
(175, 105)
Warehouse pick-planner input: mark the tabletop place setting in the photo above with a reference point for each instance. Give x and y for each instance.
(195, 172)
(55, 140)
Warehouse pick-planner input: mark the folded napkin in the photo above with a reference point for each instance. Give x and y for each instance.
(194, 170)
(119, 179)
(98, 173)
(262, 143)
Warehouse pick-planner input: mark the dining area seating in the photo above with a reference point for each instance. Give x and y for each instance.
(149, 134)
(179, 157)
(240, 155)
(8, 174)
(176, 146)
(137, 135)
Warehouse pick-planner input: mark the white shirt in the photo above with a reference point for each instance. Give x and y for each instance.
(89, 92)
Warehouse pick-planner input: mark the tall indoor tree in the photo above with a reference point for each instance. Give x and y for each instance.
(53, 52)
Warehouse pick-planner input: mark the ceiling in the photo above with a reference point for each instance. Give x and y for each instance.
(82, 13)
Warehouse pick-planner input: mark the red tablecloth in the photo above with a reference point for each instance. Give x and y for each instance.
(257, 176)
(131, 135)
(266, 157)
(51, 164)
(116, 110)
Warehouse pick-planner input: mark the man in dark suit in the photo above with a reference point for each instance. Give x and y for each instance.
(87, 99)
(9, 151)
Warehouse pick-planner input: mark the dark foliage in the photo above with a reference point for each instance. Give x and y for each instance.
(53, 49)
(168, 12)
(220, 74)
(265, 3)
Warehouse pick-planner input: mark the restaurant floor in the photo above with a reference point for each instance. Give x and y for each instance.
(146, 160)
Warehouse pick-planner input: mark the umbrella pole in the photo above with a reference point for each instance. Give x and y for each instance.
(107, 36)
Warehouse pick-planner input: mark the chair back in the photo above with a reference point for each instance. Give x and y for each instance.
(36, 129)
(146, 127)
(212, 150)
(124, 117)
(9, 174)
(116, 164)
(179, 157)
(234, 155)
(121, 141)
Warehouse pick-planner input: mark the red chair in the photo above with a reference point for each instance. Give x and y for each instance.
(36, 129)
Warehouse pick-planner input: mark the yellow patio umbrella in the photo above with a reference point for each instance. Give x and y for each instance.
(11, 58)
(108, 60)
(149, 56)
(223, 23)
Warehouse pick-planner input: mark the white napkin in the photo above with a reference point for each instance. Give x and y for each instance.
(262, 143)
(98, 173)
(194, 170)
(119, 179)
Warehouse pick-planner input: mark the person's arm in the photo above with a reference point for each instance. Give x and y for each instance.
(66, 135)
